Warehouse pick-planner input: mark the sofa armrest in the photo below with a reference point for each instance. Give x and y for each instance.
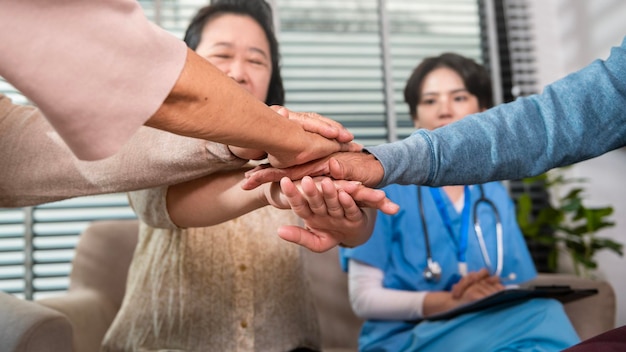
(103, 256)
(30, 327)
(90, 314)
(592, 315)
(340, 327)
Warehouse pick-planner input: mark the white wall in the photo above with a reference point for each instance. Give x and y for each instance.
(569, 35)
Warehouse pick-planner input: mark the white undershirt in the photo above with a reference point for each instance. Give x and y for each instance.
(370, 300)
(458, 205)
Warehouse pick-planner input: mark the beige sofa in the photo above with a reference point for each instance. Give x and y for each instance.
(77, 321)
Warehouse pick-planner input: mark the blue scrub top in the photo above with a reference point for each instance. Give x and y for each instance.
(397, 245)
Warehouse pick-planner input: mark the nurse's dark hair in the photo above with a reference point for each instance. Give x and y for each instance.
(475, 77)
(261, 12)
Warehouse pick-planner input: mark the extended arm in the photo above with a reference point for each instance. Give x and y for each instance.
(576, 118)
(213, 199)
(330, 214)
(205, 103)
(218, 197)
(108, 70)
(38, 167)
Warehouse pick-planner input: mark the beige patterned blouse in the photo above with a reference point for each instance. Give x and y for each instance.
(231, 287)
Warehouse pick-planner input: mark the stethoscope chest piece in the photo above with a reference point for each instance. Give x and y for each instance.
(432, 272)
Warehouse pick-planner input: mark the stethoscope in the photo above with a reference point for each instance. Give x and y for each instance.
(432, 272)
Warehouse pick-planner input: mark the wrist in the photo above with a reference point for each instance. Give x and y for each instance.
(377, 171)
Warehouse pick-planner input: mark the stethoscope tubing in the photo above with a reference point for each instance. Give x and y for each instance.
(433, 270)
(481, 238)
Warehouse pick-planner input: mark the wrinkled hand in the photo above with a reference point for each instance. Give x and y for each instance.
(361, 167)
(330, 212)
(364, 197)
(323, 137)
(476, 285)
(310, 122)
(316, 123)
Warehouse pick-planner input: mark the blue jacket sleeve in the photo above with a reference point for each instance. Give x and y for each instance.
(576, 118)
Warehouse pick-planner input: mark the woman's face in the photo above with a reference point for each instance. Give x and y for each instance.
(236, 44)
(444, 100)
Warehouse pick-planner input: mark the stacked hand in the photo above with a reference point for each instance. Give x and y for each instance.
(359, 166)
(331, 211)
(314, 124)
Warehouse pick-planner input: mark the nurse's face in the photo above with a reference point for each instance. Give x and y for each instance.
(444, 100)
(237, 45)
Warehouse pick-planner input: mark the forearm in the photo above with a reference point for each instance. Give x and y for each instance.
(207, 104)
(576, 118)
(212, 199)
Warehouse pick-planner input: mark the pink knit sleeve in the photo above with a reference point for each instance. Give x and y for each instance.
(97, 69)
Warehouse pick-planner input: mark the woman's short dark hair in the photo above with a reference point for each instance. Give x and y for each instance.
(475, 77)
(261, 12)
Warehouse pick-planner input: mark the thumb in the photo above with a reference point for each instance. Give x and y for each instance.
(336, 169)
(305, 238)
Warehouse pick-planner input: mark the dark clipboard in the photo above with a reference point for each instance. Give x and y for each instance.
(516, 295)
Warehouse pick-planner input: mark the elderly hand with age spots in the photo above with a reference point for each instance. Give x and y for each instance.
(310, 122)
(356, 166)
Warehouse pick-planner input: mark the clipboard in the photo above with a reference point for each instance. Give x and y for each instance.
(514, 296)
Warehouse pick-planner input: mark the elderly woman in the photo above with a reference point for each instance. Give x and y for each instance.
(234, 286)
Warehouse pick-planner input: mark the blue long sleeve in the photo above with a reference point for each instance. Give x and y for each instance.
(576, 118)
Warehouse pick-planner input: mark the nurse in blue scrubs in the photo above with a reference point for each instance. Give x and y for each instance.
(431, 257)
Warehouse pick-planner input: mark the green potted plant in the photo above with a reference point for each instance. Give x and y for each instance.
(567, 225)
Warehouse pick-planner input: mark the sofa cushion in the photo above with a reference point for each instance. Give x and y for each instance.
(340, 327)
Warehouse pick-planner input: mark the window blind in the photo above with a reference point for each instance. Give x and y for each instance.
(419, 29)
(333, 58)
